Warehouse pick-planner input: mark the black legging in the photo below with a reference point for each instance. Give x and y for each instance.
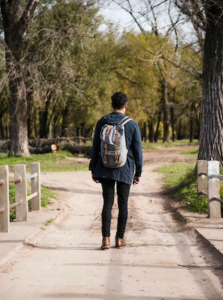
(123, 189)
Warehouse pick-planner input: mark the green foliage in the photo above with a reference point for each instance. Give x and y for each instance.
(50, 162)
(71, 69)
(181, 182)
(12, 200)
(46, 198)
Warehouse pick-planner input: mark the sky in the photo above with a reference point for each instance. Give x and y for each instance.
(119, 16)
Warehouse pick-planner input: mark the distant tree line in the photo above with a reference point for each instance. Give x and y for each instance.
(58, 72)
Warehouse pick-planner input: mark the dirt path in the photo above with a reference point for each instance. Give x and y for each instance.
(161, 261)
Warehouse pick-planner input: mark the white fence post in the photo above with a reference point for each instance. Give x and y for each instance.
(36, 186)
(21, 193)
(214, 190)
(202, 182)
(4, 199)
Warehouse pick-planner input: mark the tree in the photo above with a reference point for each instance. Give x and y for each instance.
(16, 15)
(211, 137)
(38, 38)
(207, 17)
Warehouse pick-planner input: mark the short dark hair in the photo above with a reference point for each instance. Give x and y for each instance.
(119, 100)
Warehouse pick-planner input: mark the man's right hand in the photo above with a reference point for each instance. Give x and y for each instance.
(94, 179)
(136, 180)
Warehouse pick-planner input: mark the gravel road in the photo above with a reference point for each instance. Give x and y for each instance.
(162, 260)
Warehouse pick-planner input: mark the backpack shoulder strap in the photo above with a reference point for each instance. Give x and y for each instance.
(125, 121)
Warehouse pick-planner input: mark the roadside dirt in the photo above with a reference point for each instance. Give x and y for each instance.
(162, 260)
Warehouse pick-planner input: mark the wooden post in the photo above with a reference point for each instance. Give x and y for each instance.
(36, 186)
(202, 182)
(21, 193)
(214, 190)
(4, 199)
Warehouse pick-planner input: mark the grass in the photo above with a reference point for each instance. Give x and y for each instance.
(181, 183)
(49, 222)
(12, 200)
(193, 152)
(46, 198)
(160, 144)
(51, 162)
(187, 141)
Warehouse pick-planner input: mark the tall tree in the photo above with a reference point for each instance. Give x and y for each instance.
(211, 137)
(38, 40)
(207, 18)
(16, 15)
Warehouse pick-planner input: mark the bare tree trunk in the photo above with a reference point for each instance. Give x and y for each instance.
(18, 114)
(44, 126)
(30, 110)
(211, 138)
(179, 134)
(65, 123)
(35, 122)
(7, 131)
(156, 137)
(151, 130)
(29, 122)
(2, 128)
(55, 120)
(173, 124)
(79, 135)
(144, 132)
(15, 20)
(166, 122)
(17, 102)
(198, 122)
(192, 123)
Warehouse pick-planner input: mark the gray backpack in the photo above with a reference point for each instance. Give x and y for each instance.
(113, 144)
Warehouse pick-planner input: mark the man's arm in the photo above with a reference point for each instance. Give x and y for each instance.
(95, 148)
(137, 151)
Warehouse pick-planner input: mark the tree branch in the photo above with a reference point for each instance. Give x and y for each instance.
(192, 13)
(27, 15)
(130, 11)
(124, 77)
(199, 76)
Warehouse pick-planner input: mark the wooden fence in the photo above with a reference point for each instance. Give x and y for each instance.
(21, 198)
(208, 185)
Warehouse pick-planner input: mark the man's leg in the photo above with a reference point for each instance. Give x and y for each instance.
(123, 195)
(108, 187)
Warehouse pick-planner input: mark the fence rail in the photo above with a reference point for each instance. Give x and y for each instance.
(15, 181)
(208, 184)
(21, 198)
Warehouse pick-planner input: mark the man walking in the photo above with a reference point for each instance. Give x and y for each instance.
(116, 150)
